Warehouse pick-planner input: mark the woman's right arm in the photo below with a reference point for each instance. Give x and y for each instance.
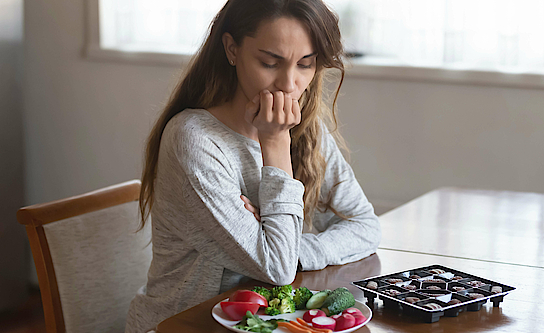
(273, 115)
(214, 220)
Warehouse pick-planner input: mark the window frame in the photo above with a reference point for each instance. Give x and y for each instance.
(363, 68)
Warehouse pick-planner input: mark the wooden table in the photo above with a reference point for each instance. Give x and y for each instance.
(496, 226)
(521, 311)
(501, 239)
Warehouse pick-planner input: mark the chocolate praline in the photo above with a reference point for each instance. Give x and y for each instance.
(454, 301)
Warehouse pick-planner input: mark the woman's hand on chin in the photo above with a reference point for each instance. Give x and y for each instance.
(273, 114)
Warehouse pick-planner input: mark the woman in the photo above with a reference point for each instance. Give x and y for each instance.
(218, 180)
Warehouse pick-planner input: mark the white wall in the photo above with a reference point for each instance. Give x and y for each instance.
(411, 137)
(85, 122)
(13, 244)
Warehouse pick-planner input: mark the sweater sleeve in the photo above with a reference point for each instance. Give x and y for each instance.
(220, 228)
(342, 240)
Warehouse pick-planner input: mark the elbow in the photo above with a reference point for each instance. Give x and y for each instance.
(284, 275)
(283, 280)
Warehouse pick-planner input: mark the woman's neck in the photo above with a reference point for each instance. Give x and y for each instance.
(232, 114)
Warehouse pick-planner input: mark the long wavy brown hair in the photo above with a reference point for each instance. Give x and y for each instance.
(210, 81)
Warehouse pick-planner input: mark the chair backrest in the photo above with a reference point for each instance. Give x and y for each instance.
(89, 260)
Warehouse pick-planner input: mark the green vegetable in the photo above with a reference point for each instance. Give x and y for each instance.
(263, 291)
(273, 307)
(271, 311)
(287, 305)
(288, 289)
(302, 295)
(253, 323)
(277, 306)
(282, 295)
(339, 300)
(316, 301)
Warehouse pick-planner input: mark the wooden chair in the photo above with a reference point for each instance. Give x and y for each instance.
(89, 260)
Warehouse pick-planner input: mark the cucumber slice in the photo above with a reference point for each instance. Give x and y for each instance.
(317, 300)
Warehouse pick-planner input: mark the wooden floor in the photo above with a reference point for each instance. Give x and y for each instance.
(26, 319)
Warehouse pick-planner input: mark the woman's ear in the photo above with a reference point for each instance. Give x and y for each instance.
(230, 48)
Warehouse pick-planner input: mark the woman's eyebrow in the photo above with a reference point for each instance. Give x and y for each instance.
(277, 56)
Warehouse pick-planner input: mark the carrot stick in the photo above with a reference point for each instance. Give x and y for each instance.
(314, 329)
(292, 328)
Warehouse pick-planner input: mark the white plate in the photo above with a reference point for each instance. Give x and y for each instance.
(225, 320)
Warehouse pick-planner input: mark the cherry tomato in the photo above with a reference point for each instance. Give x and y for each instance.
(248, 296)
(237, 310)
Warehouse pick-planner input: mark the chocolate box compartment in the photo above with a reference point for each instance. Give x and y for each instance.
(388, 279)
(425, 285)
(447, 274)
(388, 299)
(420, 273)
(365, 283)
(455, 309)
(370, 294)
(451, 286)
(476, 283)
(414, 283)
(475, 304)
(441, 295)
(428, 315)
(499, 297)
(434, 279)
(463, 277)
(409, 307)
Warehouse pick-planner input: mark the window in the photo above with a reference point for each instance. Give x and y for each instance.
(165, 26)
(484, 35)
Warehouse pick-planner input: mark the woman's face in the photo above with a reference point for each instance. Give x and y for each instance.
(280, 57)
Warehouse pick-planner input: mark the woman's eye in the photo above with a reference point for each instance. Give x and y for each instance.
(305, 66)
(269, 66)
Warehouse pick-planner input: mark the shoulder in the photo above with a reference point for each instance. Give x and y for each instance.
(194, 129)
(187, 123)
(194, 138)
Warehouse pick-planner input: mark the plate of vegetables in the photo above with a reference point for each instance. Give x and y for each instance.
(282, 309)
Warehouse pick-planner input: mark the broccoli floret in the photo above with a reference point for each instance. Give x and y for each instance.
(263, 292)
(281, 295)
(287, 305)
(273, 307)
(302, 295)
(271, 311)
(288, 289)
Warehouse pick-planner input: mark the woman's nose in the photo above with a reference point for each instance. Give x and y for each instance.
(286, 81)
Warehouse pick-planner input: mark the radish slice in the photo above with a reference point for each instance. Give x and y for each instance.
(352, 311)
(311, 314)
(324, 322)
(359, 319)
(344, 322)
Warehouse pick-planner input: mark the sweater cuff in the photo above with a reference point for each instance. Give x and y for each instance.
(313, 255)
(280, 194)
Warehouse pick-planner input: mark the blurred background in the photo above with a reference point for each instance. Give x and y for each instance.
(447, 93)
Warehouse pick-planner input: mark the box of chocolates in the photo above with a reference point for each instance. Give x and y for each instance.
(432, 292)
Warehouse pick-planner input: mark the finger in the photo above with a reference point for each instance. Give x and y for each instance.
(246, 200)
(251, 208)
(288, 108)
(278, 105)
(252, 109)
(267, 101)
(296, 111)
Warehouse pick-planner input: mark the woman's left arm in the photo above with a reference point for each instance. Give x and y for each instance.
(341, 240)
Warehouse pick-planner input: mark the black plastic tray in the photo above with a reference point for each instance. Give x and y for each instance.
(445, 293)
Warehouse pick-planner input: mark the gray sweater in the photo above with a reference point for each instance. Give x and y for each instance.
(206, 242)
